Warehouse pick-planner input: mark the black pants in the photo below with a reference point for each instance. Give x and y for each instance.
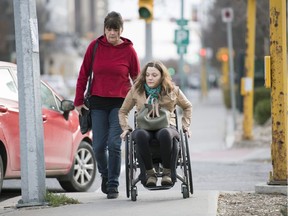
(164, 137)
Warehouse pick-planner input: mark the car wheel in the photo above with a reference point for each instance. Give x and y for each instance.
(82, 172)
(1, 173)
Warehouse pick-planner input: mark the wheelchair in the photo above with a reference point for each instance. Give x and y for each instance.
(180, 165)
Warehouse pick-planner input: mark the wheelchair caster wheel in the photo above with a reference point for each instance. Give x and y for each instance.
(185, 191)
(134, 194)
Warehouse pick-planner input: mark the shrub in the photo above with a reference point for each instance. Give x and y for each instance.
(262, 111)
(261, 93)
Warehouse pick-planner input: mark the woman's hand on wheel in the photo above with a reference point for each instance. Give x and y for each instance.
(123, 135)
(187, 131)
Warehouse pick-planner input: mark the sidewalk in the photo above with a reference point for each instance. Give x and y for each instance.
(201, 203)
(210, 129)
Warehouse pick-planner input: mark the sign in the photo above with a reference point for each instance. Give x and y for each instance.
(227, 15)
(181, 37)
(182, 22)
(182, 49)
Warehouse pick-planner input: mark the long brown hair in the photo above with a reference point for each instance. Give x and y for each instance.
(166, 80)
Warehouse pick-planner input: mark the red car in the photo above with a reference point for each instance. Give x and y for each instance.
(68, 154)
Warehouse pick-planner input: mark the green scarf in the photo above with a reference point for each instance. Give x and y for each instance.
(152, 92)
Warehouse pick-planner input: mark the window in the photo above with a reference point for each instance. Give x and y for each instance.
(48, 98)
(8, 85)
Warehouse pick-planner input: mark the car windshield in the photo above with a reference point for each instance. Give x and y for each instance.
(8, 85)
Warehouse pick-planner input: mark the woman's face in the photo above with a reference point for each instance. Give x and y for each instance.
(153, 77)
(113, 35)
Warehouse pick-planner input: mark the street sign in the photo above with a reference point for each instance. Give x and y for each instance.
(182, 22)
(182, 49)
(227, 15)
(181, 37)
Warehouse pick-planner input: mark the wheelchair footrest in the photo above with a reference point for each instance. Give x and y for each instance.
(159, 187)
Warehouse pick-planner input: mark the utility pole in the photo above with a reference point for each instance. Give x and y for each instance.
(33, 187)
(227, 16)
(247, 83)
(278, 83)
(148, 42)
(181, 53)
(203, 54)
(181, 40)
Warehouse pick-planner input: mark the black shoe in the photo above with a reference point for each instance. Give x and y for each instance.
(112, 193)
(104, 185)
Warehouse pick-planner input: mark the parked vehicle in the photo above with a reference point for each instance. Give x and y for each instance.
(68, 154)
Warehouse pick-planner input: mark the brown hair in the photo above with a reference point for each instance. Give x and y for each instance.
(166, 80)
(113, 20)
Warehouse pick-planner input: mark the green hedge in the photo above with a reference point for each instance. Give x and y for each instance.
(262, 111)
(261, 102)
(261, 93)
(262, 105)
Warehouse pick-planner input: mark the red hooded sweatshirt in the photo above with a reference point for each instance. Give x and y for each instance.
(112, 67)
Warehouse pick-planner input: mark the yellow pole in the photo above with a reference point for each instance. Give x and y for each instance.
(278, 52)
(249, 72)
(225, 73)
(203, 77)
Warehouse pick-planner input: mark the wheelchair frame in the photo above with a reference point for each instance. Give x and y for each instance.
(181, 160)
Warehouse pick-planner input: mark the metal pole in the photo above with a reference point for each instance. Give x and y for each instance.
(33, 187)
(278, 52)
(148, 45)
(249, 71)
(231, 69)
(181, 60)
(203, 77)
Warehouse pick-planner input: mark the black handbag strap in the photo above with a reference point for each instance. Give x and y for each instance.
(90, 75)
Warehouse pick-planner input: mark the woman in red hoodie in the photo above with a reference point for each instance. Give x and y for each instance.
(114, 63)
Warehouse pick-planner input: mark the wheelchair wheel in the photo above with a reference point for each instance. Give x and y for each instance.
(134, 194)
(133, 169)
(190, 180)
(127, 164)
(185, 191)
(184, 166)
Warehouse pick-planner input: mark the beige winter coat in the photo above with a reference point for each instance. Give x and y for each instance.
(176, 97)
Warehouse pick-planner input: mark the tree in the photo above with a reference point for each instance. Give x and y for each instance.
(214, 35)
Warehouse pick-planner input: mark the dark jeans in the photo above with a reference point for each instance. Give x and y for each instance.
(107, 144)
(164, 137)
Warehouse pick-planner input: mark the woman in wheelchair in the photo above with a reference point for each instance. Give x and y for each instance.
(154, 82)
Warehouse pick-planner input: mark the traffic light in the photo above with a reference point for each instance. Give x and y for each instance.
(222, 54)
(146, 10)
(203, 52)
(224, 57)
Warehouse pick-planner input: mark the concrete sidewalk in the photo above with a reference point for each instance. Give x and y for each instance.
(201, 203)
